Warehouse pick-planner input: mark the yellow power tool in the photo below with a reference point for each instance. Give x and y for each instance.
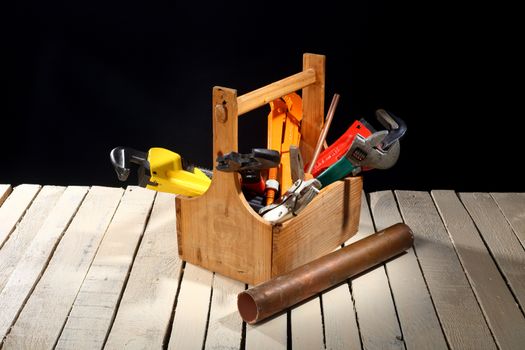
(161, 170)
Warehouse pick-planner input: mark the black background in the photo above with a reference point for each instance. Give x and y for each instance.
(83, 78)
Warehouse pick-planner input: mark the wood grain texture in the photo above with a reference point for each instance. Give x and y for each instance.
(191, 313)
(270, 334)
(219, 230)
(146, 306)
(375, 308)
(313, 105)
(415, 311)
(340, 324)
(37, 253)
(339, 315)
(26, 230)
(500, 238)
(501, 312)
(43, 316)
(225, 323)
(5, 191)
(14, 208)
(268, 93)
(303, 239)
(513, 207)
(460, 315)
(307, 325)
(95, 305)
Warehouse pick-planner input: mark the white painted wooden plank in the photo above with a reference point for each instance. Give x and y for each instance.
(26, 230)
(307, 325)
(460, 315)
(5, 191)
(340, 324)
(500, 309)
(501, 240)
(191, 313)
(146, 307)
(416, 313)
(225, 323)
(14, 208)
(44, 314)
(375, 309)
(35, 257)
(513, 207)
(95, 306)
(270, 334)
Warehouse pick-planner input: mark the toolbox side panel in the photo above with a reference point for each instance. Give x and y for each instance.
(224, 237)
(328, 221)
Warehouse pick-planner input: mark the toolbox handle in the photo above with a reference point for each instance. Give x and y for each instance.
(270, 92)
(312, 80)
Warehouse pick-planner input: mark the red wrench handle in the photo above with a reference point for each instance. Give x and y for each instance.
(339, 148)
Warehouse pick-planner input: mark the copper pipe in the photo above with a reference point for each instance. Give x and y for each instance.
(324, 132)
(281, 292)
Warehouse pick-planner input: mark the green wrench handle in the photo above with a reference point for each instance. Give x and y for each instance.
(336, 171)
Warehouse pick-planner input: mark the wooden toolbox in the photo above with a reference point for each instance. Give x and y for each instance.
(219, 230)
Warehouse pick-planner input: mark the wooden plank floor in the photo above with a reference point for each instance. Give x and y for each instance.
(94, 268)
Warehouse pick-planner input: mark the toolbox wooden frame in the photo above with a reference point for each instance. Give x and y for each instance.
(220, 232)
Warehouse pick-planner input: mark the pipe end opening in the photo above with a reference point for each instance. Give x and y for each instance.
(247, 307)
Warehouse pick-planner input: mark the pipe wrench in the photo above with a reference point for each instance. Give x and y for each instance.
(161, 170)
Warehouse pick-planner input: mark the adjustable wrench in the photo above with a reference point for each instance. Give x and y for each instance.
(378, 151)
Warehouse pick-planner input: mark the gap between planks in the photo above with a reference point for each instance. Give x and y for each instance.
(5, 191)
(14, 208)
(497, 302)
(418, 319)
(96, 302)
(44, 314)
(501, 240)
(457, 308)
(145, 309)
(35, 257)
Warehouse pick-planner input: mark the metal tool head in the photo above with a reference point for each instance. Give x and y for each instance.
(296, 163)
(294, 201)
(367, 152)
(121, 159)
(258, 159)
(396, 128)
